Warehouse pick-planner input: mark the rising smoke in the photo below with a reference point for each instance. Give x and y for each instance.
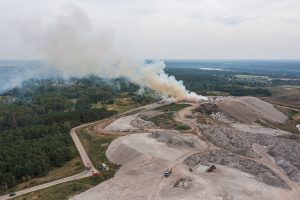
(76, 48)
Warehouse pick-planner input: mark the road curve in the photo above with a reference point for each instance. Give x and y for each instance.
(86, 173)
(84, 157)
(290, 108)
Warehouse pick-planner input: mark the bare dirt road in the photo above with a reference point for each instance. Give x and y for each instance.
(86, 173)
(245, 170)
(145, 155)
(84, 157)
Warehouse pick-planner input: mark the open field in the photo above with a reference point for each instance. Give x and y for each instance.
(285, 95)
(120, 105)
(173, 107)
(167, 121)
(252, 162)
(96, 146)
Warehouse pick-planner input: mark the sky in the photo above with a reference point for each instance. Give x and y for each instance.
(173, 29)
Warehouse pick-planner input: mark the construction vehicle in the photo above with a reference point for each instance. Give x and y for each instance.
(88, 166)
(168, 172)
(12, 194)
(104, 167)
(211, 168)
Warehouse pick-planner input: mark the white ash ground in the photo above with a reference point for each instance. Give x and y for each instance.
(252, 163)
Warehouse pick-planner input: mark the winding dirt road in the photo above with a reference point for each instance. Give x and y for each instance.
(84, 157)
(86, 173)
(180, 116)
(265, 158)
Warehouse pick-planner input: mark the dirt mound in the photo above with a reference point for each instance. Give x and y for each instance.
(130, 123)
(143, 160)
(249, 109)
(261, 172)
(258, 164)
(125, 149)
(120, 153)
(176, 140)
(122, 124)
(285, 151)
(142, 124)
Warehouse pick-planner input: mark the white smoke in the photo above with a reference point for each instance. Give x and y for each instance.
(76, 48)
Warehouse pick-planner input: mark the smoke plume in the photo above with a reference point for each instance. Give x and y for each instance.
(76, 48)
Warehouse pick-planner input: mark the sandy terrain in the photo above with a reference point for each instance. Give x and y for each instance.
(249, 109)
(143, 160)
(252, 162)
(122, 124)
(135, 122)
(259, 129)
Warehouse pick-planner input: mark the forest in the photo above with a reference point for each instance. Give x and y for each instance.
(206, 82)
(35, 121)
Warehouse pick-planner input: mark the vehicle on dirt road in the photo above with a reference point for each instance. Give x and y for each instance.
(104, 167)
(88, 166)
(12, 194)
(168, 172)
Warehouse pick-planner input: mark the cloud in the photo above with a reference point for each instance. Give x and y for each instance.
(175, 28)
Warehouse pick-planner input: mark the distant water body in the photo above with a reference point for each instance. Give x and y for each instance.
(275, 67)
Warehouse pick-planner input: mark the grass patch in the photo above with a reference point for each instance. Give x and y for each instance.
(182, 127)
(294, 115)
(95, 146)
(166, 121)
(173, 107)
(65, 190)
(120, 105)
(217, 93)
(291, 123)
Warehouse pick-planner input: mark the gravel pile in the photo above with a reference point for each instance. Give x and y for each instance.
(221, 157)
(285, 150)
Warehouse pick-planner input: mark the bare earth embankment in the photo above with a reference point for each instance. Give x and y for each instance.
(252, 162)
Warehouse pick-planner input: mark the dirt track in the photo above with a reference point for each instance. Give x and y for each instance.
(144, 156)
(86, 173)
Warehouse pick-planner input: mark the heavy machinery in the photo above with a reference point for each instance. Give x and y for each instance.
(88, 166)
(168, 172)
(104, 167)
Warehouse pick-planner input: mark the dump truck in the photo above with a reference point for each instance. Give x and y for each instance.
(168, 172)
(88, 166)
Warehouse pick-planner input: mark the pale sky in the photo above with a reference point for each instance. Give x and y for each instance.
(176, 29)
